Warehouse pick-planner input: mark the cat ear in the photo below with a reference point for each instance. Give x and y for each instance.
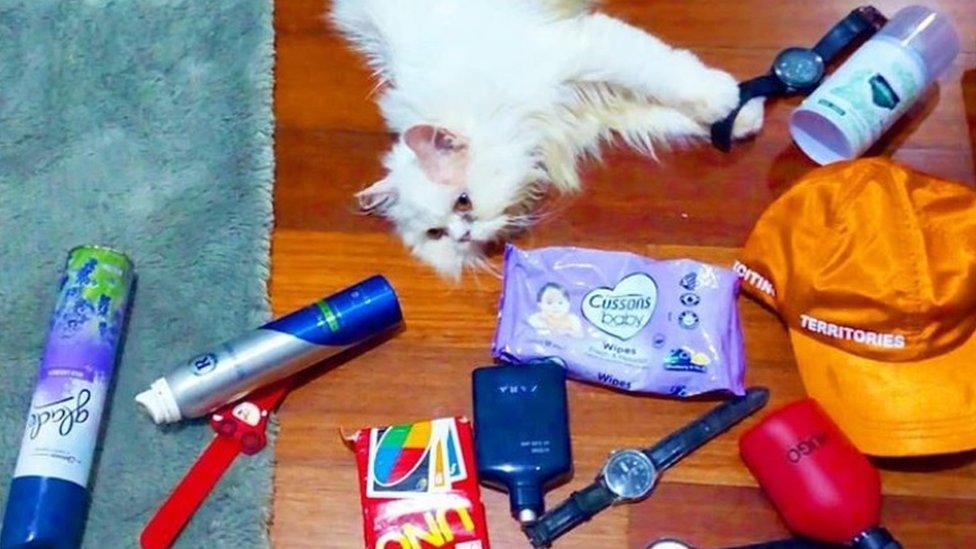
(426, 140)
(377, 197)
(442, 154)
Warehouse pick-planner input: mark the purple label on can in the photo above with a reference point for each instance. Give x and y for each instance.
(77, 366)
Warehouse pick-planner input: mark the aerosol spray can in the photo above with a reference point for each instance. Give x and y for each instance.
(48, 497)
(853, 108)
(274, 351)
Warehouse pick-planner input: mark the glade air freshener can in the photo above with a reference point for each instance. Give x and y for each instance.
(48, 497)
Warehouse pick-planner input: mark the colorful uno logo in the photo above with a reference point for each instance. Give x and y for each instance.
(400, 451)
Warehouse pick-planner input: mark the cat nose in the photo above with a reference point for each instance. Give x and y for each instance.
(466, 237)
(463, 204)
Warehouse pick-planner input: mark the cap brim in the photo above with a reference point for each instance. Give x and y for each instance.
(894, 408)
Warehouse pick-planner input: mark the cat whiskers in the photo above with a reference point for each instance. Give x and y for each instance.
(380, 86)
(521, 222)
(481, 263)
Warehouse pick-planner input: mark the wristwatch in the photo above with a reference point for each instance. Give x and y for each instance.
(630, 475)
(800, 70)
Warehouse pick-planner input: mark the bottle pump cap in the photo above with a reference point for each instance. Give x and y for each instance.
(525, 500)
(527, 516)
(876, 538)
(928, 33)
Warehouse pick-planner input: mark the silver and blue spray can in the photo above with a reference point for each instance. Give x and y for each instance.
(48, 498)
(273, 352)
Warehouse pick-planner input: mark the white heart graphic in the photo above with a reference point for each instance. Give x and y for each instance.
(624, 310)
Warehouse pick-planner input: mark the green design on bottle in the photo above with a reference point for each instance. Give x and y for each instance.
(882, 93)
(100, 273)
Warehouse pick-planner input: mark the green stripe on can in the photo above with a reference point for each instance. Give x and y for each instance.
(330, 317)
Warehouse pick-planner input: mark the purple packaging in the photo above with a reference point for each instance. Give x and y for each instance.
(623, 320)
(48, 497)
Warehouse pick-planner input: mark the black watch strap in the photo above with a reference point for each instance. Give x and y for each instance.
(681, 443)
(577, 509)
(583, 505)
(791, 543)
(762, 86)
(861, 22)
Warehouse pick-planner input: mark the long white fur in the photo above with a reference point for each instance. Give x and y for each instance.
(531, 86)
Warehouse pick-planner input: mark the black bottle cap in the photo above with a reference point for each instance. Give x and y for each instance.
(875, 538)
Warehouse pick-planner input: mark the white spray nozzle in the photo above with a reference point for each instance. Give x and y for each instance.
(159, 403)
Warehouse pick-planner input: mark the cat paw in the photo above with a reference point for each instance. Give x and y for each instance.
(716, 94)
(750, 119)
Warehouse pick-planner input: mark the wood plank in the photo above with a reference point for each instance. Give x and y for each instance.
(330, 139)
(321, 84)
(424, 371)
(725, 516)
(696, 203)
(752, 24)
(684, 199)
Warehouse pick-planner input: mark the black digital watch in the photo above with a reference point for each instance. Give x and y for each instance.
(800, 70)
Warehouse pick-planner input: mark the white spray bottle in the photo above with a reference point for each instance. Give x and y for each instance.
(853, 108)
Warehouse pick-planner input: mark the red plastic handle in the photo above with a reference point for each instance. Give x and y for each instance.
(166, 525)
(240, 429)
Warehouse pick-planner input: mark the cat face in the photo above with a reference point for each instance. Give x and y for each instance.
(446, 203)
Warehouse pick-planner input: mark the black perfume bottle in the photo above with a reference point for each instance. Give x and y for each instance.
(521, 424)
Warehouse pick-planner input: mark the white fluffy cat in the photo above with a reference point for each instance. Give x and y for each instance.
(495, 100)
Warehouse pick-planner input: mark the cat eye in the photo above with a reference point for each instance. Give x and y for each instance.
(463, 204)
(436, 233)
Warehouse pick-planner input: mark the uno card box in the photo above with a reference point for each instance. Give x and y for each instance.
(419, 486)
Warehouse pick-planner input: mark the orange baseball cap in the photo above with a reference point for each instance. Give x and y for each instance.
(873, 269)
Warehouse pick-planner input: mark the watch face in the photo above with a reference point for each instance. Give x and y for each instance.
(799, 68)
(629, 474)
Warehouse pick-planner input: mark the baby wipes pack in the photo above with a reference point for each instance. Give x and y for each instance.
(623, 320)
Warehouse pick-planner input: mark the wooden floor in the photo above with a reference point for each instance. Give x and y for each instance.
(696, 203)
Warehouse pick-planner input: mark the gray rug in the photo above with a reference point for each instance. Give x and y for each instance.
(144, 125)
